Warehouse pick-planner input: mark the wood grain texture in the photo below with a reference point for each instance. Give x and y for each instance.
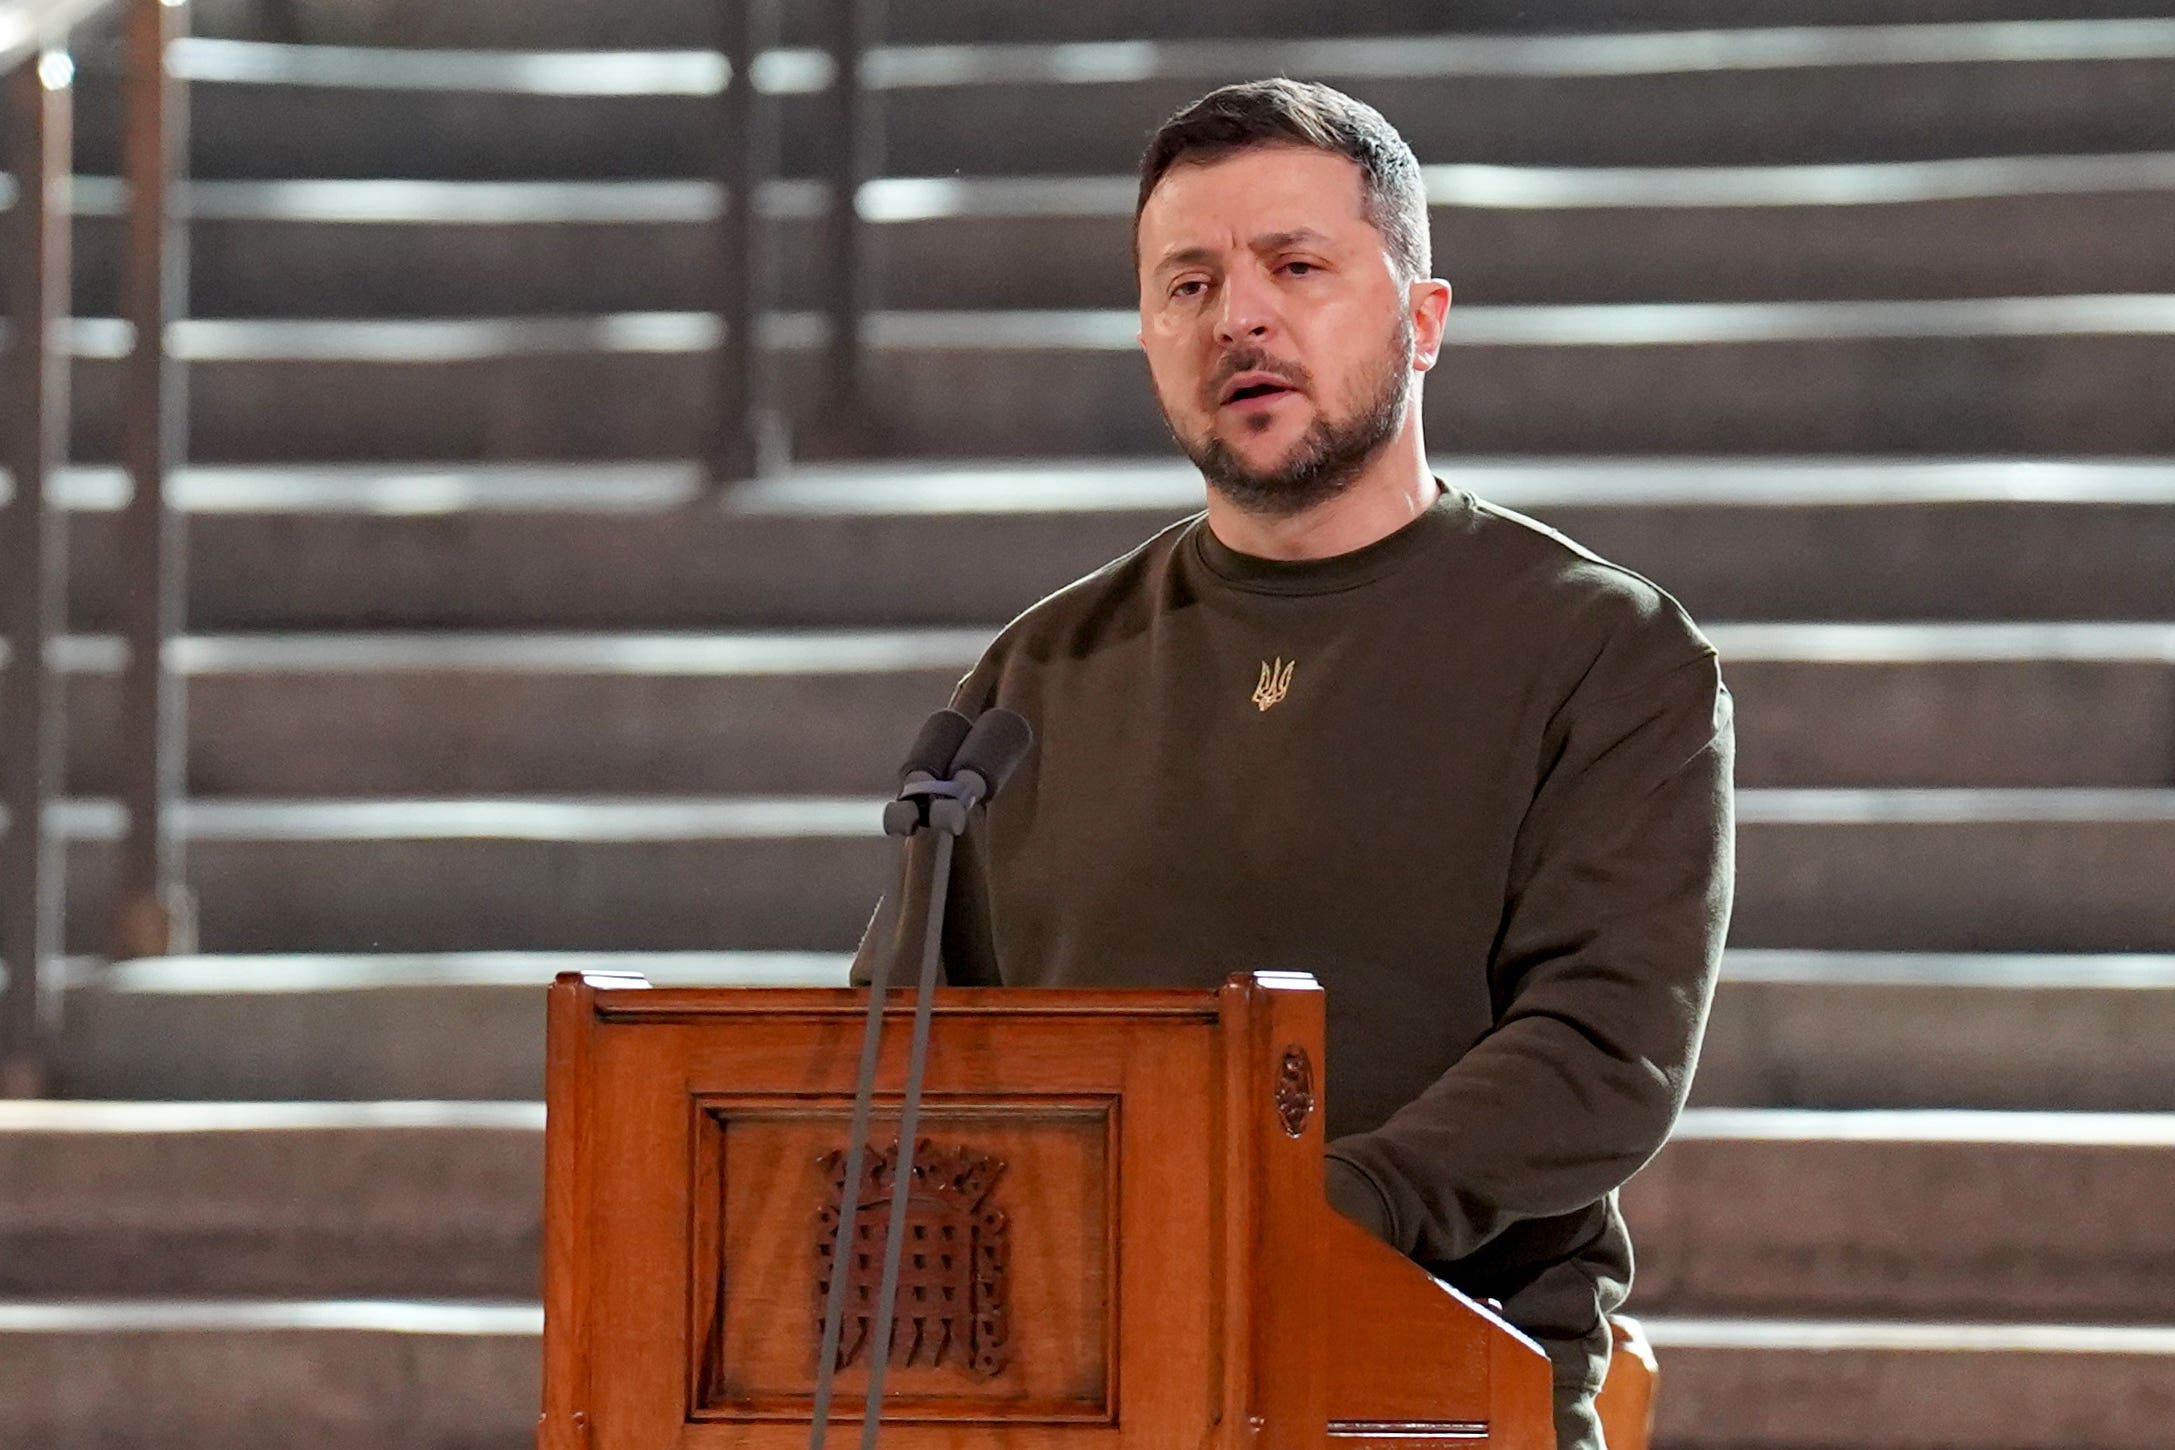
(1177, 1280)
(570, 1019)
(1626, 1401)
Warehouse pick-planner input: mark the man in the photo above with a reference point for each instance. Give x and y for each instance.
(1355, 721)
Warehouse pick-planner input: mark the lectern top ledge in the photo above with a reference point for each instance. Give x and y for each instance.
(1117, 1235)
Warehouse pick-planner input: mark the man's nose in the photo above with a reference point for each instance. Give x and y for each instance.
(1248, 313)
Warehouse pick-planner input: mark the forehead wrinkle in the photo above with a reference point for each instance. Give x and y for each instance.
(1261, 245)
(1186, 257)
(1278, 241)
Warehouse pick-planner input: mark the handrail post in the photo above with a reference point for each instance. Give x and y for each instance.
(34, 559)
(856, 154)
(736, 435)
(152, 912)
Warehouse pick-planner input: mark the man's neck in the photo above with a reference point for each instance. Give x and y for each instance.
(1394, 489)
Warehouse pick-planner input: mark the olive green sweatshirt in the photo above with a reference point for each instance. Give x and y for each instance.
(1472, 778)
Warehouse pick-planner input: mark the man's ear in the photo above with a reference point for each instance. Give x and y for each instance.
(1430, 303)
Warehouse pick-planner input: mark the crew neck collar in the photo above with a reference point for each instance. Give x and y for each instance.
(1337, 572)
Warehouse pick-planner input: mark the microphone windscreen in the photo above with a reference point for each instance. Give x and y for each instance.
(938, 741)
(994, 748)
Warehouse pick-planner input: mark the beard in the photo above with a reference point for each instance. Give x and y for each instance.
(1327, 457)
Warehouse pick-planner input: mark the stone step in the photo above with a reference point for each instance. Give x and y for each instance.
(2057, 870)
(274, 1375)
(1955, 870)
(329, 1028)
(1825, 1030)
(388, 1375)
(627, 546)
(2005, 375)
(1987, 1216)
(2053, 1217)
(1740, 97)
(2008, 226)
(1862, 1030)
(580, 24)
(437, 1200)
(443, 714)
(1784, 1384)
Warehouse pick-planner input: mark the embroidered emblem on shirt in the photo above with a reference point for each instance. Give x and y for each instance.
(1275, 682)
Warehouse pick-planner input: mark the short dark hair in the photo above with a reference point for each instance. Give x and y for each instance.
(1284, 112)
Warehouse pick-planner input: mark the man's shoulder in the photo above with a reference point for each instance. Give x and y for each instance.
(1547, 581)
(1121, 595)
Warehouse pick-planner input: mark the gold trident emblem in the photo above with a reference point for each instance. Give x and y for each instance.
(1275, 683)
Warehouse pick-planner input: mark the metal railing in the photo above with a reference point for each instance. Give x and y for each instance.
(151, 913)
(747, 436)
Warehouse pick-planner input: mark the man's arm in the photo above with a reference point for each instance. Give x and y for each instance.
(1603, 970)
(968, 953)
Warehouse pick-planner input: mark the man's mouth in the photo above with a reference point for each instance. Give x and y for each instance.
(1254, 388)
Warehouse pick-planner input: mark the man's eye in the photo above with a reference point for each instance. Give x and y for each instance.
(1299, 269)
(1188, 289)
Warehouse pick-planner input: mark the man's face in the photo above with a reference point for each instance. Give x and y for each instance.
(1278, 333)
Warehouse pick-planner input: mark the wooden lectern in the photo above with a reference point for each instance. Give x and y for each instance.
(1118, 1235)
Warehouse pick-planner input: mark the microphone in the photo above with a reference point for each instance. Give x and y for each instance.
(928, 761)
(990, 754)
(934, 746)
(955, 767)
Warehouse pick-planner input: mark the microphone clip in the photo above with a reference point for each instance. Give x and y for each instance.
(954, 768)
(934, 805)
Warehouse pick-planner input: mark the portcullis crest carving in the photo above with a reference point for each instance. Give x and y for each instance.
(952, 1305)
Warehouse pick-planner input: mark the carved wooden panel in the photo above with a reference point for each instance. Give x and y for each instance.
(1295, 1090)
(952, 1304)
(1027, 1190)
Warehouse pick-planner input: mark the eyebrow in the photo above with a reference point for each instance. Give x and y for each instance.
(1266, 242)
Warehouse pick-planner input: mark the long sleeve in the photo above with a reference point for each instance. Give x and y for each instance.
(896, 927)
(968, 953)
(1603, 970)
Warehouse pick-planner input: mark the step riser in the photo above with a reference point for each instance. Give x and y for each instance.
(510, 735)
(1917, 723)
(2080, 886)
(2001, 1231)
(668, 568)
(1718, 117)
(2058, 395)
(575, 24)
(388, 1043)
(329, 1390)
(442, 1212)
(1871, 1399)
(781, 895)
(674, 569)
(1822, 1045)
(1831, 1046)
(2050, 886)
(2000, 247)
(2020, 723)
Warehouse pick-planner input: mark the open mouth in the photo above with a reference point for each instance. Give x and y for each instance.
(1254, 388)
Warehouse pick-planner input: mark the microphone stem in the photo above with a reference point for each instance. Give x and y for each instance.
(917, 1067)
(849, 1203)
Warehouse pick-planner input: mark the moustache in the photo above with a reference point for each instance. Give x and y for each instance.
(1254, 361)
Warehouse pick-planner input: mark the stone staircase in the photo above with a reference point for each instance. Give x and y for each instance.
(1855, 335)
